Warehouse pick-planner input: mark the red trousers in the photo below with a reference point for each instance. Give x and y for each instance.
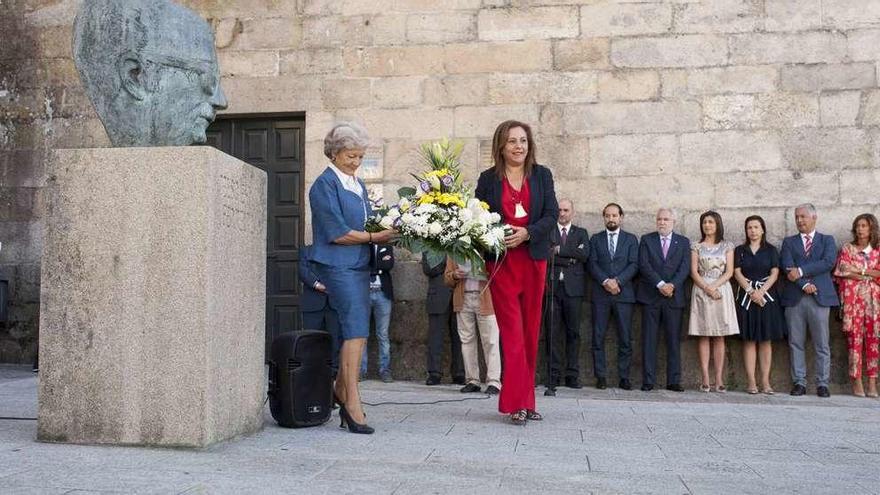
(517, 293)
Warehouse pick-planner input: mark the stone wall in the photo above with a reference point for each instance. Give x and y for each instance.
(746, 106)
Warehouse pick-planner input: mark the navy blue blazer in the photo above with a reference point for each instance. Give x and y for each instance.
(623, 266)
(543, 208)
(816, 269)
(309, 299)
(675, 269)
(335, 212)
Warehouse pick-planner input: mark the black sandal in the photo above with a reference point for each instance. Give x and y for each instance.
(519, 417)
(534, 416)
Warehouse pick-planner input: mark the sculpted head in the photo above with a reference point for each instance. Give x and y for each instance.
(150, 69)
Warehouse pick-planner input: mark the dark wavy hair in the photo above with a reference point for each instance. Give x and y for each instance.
(719, 226)
(500, 139)
(874, 238)
(759, 219)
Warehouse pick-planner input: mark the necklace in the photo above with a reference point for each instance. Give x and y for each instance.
(516, 196)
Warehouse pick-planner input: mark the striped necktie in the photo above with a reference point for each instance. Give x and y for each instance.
(808, 245)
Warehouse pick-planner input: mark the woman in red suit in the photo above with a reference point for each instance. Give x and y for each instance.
(521, 191)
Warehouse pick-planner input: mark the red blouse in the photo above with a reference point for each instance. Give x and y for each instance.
(510, 197)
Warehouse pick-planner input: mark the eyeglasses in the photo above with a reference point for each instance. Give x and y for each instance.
(205, 69)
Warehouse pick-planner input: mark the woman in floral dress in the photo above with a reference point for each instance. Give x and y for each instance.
(858, 275)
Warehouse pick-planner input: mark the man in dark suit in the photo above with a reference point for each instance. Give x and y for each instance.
(807, 260)
(381, 300)
(314, 305)
(441, 321)
(567, 288)
(664, 265)
(614, 262)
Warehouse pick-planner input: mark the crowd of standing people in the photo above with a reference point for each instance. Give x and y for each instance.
(753, 290)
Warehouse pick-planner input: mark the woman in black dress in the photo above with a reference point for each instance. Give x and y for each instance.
(756, 269)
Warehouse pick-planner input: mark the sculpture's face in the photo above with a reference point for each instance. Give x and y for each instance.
(186, 94)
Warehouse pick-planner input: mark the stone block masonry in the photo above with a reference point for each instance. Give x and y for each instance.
(153, 298)
(747, 106)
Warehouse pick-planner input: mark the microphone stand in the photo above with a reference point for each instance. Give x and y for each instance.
(549, 386)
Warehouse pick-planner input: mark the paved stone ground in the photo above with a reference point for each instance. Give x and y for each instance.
(591, 442)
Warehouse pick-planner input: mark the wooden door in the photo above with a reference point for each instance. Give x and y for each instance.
(276, 146)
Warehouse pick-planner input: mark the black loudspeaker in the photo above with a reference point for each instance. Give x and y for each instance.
(300, 378)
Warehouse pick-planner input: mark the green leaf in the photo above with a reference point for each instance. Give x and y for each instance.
(405, 192)
(435, 257)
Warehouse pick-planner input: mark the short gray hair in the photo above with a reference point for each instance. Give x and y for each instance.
(671, 211)
(567, 200)
(345, 136)
(811, 209)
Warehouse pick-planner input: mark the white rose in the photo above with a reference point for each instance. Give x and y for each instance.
(434, 228)
(386, 222)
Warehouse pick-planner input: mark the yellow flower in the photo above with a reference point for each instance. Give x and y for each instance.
(427, 198)
(485, 205)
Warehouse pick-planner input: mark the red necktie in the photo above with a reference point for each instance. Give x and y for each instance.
(808, 245)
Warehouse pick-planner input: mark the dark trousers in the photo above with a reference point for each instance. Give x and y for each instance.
(565, 325)
(602, 312)
(327, 321)
(658, 318)
(439, 325)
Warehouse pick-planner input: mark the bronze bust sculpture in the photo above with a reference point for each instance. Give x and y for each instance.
(150, 69)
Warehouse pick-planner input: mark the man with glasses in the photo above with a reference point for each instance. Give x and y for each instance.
(150, 69)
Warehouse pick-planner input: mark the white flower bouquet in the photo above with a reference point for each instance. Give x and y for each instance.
(441, 217)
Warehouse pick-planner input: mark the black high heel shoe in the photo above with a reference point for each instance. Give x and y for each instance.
(353, 427)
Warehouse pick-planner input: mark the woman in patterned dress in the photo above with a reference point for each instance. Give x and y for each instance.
(858, 276)
(713, 315)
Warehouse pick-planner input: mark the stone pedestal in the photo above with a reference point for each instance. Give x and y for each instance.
(152, 314)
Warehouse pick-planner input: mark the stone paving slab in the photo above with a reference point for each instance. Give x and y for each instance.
(591, 442)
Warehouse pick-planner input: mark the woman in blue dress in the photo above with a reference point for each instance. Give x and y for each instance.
(341, 254)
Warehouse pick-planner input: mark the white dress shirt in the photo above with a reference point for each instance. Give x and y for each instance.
(668, 247)
(349, 182)
(804, 241)
(616, 242)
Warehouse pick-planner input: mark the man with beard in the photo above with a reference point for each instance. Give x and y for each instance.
(614, 262)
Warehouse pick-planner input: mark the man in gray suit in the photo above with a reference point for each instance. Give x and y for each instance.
(441, 320)
(807, 260)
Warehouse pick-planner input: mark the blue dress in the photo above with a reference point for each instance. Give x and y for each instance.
(344, 270)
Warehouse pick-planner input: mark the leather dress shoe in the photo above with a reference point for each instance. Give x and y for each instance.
(601, 384)
(798, 389)
(675, 387)
(625, 384)
(492, 390)
(823, 392)
(470, 388)
(573, 382)
(647, 387)
(433, 379)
